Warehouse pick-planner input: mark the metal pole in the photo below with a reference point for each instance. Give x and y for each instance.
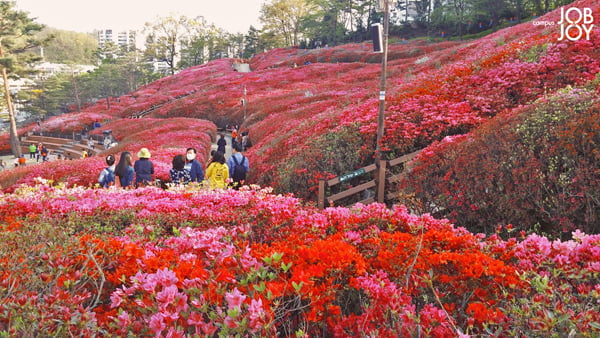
(245, 103)
(381, 116)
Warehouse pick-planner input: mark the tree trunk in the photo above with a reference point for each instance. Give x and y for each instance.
(15, 145)
(76, 92)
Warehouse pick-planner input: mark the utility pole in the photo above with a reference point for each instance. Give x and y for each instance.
(381, 117)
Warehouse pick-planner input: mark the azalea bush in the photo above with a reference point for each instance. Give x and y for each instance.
(536, 168)
(251, 262)
(294, 96)
(164, 138)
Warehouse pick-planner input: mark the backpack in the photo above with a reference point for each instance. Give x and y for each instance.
(239, 170)
(109, 177)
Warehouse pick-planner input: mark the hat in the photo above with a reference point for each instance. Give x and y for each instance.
(144, 153)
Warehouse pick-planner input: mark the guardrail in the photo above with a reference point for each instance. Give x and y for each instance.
(383, 177)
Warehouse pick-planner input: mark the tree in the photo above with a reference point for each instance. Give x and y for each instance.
(49, 95)
(17, 39)
(164, 38)
(253, 42)
(69, 47)
(284, 19)
(194, 48)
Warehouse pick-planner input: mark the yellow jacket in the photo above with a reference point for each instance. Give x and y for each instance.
(217, 175)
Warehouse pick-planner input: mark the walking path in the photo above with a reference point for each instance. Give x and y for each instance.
(9, 160)
(227, 147)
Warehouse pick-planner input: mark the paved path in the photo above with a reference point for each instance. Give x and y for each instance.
(9, 160)
(227, 147)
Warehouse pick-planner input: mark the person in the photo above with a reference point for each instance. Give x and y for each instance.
(90, 144)
(2, 164)
(32, 151)
(217, 172)
(124, 171)
(221, 144)
(107, 142)
(22, 160)
(144, 169)
(193, 166)
(107, 175)
(238, 166)
(234, 137)
(39, 151)
(84, 154)
(245, 141)
(212, 153)
(179, 175)
(44, 154)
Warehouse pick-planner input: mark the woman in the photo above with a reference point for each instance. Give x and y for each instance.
(179, 175)
(193, 166)
(217, 172)
(221, 144)
(144, 169)
(124, 171)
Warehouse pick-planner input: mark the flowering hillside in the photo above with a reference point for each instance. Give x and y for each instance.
(313, 113)
(196, 262)
(509, 124)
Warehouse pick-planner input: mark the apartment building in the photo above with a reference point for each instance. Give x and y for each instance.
(126, 38)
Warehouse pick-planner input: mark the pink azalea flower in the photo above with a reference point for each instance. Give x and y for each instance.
(256, 313)
(124, 319)
(165, 277)
(167, 295)
(116, 298)
(230, 322)
(157, 324)
(208, 328)
(235, 299)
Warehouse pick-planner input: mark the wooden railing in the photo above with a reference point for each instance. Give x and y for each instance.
(382, 173)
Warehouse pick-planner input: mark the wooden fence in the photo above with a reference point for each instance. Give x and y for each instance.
(370, 191)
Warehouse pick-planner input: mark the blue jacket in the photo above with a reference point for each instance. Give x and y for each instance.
(127, 179)
(238, 157)
(144, 169)
(196, 171)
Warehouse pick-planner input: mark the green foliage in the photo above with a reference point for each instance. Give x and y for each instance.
(546, 306)
(69, 47)
(54, 277)
(536, 170)
(534, 53)
(337, 152)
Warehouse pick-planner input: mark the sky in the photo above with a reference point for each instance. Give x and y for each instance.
(234, 16)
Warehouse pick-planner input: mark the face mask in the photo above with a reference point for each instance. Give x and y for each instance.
(190, 156)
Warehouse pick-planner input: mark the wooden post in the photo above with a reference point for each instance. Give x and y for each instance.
(381, 181)
(321, 197)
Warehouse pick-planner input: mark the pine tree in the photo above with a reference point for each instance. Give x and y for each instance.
(17, 32)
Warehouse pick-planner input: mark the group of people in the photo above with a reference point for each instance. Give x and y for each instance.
(220, 173)
(37, 152)
(126, 173)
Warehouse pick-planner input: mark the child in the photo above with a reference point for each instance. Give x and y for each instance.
(107, 176)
